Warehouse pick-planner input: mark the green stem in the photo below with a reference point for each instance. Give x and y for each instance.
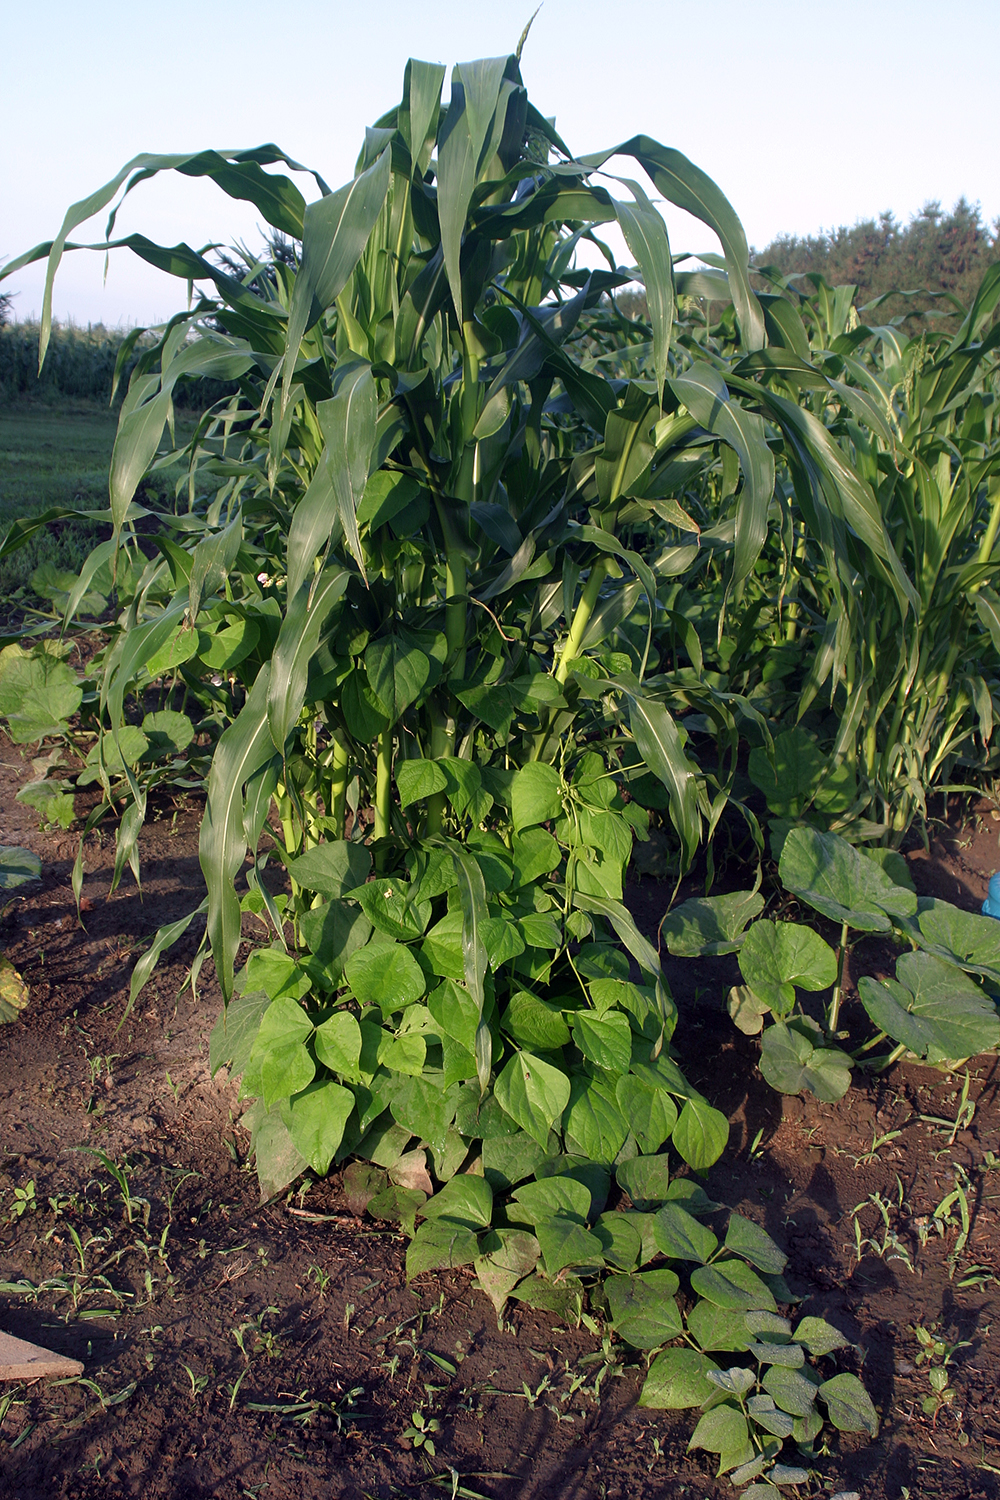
(581, 618)
(338, 787)
(578, 629)
(990, 535)
(833, 1014)
(383, 784)
(442, 744)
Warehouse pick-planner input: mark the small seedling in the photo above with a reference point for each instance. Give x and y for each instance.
(198, 1382)
(422, 1430)
(890, 1247)
(953, 1213)
(24, 1202)
(964, 1115)
(937, 1354)
(320, 1277)
(878, 1141)
(131, 1203)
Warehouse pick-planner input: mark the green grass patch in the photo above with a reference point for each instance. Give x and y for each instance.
(58, 456)
(53, 456)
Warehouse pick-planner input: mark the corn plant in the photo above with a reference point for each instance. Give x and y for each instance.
(390, 585)
(904, 644)
(417, 584)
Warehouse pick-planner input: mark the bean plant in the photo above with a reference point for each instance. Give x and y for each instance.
(940, 1005)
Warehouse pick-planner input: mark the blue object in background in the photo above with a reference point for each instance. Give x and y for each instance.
(991, 906)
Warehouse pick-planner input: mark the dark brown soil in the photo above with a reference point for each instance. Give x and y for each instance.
(338, 1353)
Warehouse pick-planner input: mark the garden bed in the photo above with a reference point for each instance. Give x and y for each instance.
(237, 1350)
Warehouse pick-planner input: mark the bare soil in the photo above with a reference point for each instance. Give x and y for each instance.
(234, 1350)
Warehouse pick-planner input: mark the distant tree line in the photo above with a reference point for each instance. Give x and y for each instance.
(934, 252)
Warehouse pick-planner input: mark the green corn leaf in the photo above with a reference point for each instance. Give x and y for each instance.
(297, 641)
(140, 428)
(335, 232)
(849, 496)
(211, 563)
(704, 393)
(660, 745)
(472, 894)
(139, 647)
(348, 423)
(165, 938)
(646, 236)
(244, 747)
(684, 184)
(475, 91)
(96, 560)
(621, 920)
(266, 192)
(418, 114)
(316, 518)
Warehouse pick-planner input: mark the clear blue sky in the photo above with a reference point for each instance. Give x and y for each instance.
(806, 114)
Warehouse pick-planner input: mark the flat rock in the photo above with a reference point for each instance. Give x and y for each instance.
(20, 1360)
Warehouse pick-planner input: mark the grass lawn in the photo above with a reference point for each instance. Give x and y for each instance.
(53, 456)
